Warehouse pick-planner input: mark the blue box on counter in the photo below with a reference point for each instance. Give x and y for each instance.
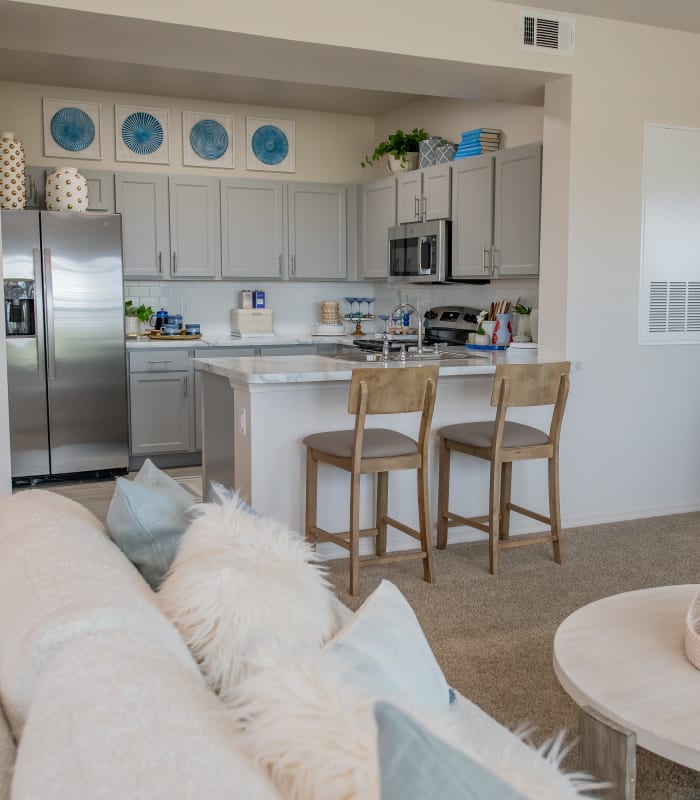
(258, 299)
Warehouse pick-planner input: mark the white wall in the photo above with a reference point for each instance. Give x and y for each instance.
(329, 147)
(441, 116)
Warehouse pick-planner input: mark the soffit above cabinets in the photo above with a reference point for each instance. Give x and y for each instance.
(39, 45)
(679, 15)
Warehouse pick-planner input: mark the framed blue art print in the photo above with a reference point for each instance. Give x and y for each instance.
(71, 128)
(270, 145)
(142, 134)
(207, 139)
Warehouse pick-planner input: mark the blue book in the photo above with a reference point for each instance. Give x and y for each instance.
(476, 150)
(483, 137)
(478, 131)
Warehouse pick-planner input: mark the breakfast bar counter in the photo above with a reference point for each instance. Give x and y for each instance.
(256, 412)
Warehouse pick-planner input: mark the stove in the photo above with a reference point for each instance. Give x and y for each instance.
(444, 325)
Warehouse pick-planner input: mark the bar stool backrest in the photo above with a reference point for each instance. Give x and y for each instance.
(531, 384)
(392, 391)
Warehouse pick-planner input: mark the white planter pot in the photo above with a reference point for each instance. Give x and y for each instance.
(13, 185)
(66, 190)
(395, 165)
(132, 325)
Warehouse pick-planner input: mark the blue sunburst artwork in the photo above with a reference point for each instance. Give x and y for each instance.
(142, 133)
(72, 129)
(270, 144)
(209, 139)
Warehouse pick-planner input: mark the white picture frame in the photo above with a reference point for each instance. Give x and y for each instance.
(207, 140)
(146, 139)
(270, 153)
(72, 129)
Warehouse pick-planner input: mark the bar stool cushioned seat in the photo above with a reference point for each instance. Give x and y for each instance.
(377, 451)
(480, 434)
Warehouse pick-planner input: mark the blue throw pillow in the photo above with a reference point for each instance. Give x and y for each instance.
(384, 650)
(414, 764)
(146, 518)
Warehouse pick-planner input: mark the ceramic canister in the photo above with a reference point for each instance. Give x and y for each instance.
(66, 190)
(13, 186)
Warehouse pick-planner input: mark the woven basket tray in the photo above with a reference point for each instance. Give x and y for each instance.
(692, 633)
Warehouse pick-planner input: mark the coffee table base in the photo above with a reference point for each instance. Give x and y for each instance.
(609, 752)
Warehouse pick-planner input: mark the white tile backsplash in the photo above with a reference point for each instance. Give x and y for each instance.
(296, 307)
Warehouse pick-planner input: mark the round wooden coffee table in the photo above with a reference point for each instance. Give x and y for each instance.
(622, 660)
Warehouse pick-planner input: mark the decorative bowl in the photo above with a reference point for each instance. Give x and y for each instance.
(692, 633)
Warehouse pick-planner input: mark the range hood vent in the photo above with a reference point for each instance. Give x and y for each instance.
(545, 33)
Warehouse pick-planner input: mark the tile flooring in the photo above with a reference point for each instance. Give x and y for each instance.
(95, 495)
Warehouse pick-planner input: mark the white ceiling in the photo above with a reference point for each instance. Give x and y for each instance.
(82, 50)
(682, 15)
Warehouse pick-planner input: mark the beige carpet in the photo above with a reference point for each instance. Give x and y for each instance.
(493, 635)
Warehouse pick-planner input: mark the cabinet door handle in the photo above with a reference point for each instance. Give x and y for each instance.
(494, 260)
(484, 253)
(416, 207)
(185, 385)
(160, 261)
(280, 262)
(174, 262)
(294, 265)
(425, 207)
(167, 361)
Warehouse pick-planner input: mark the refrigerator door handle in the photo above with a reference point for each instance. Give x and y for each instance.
(48, 304)
(36, 255)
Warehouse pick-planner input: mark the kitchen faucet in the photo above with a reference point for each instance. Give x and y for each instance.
(420, 323)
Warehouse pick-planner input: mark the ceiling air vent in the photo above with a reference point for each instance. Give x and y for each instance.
(544, 33)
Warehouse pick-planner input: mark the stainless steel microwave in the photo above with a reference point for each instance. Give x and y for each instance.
(419, 252)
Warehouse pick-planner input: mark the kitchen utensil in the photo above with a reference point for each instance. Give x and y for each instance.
(192, 327)
(158, 319)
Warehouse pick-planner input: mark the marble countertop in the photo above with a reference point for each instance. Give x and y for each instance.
(143, 342)
(312, 369)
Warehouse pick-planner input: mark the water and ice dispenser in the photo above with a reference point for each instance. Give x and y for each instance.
(19, 308)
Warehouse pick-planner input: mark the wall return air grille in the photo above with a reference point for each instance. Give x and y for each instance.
(674, 307)
(545, 33)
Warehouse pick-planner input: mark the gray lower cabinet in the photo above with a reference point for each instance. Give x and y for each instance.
(161, 402)
(377, 213)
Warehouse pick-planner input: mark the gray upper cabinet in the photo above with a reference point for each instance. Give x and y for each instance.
(424, 194)
(100, 186)
(472, 216)
(253, 234)
(317, 231)
(142, 200)
(377, 213)
(409, 196)
(516, 217)
(194, 227)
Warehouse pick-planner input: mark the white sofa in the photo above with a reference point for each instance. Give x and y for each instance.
(100, 697)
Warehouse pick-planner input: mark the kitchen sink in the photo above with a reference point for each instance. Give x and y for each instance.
(458, 354)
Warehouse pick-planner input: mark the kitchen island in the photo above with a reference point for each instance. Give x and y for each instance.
(256, 412)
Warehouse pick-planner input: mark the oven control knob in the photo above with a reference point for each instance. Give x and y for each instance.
(430, 314)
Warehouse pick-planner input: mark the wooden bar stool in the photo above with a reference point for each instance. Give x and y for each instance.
(377, 450)
(502, 442)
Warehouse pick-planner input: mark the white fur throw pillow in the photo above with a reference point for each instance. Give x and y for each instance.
(315, 735)
(245, 590)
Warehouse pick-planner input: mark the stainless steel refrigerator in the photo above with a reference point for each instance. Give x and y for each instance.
(64, 324)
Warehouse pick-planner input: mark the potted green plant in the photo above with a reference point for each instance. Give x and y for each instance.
(135, 315)
(401, 148)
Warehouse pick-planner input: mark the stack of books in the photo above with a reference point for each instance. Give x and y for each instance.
(478, 141)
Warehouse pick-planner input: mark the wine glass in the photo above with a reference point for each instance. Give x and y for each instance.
(351, 301)
(385, 319)
(369, 301)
